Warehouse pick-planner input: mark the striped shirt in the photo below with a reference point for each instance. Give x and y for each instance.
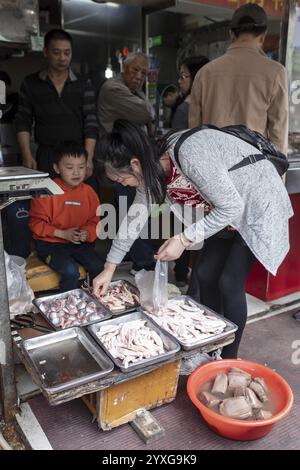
(69, 116)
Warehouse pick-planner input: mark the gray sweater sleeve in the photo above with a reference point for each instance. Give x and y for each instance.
(209, 174)
(130, 228)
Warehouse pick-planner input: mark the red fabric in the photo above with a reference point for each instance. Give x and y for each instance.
(75, 208)
(181, 190)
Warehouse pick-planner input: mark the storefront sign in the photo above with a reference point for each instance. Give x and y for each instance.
(155, 41)
(272, 7)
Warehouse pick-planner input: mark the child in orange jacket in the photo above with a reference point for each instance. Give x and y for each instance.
(64, 226)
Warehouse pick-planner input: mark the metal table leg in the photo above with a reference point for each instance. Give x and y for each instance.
(8, 393)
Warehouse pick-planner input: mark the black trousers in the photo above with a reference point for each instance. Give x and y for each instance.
(218, 281)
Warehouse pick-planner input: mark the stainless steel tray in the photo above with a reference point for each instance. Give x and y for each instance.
(84, 295)
(65, 359)
(127, 308)
(229, 329)
(171, 346)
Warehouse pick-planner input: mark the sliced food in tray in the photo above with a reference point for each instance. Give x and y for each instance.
(73, 308)
(121, 297)
(133, 341)
(190, 323)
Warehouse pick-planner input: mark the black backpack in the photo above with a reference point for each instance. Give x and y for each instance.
(254, 138)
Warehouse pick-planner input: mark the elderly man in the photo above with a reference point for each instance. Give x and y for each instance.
(244, 86)
(122, 97)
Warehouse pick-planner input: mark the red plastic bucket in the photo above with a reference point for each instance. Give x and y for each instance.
(234, 428)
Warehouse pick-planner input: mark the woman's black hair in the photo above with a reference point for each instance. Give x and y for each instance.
(194, 64)
(164, 143)
(128, 141)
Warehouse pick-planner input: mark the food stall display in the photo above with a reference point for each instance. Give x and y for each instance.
(191, 324)
(121, 297)
(72, 308)
(133, 341)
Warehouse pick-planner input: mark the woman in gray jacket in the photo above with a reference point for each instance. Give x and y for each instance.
(188, 69)
(251, 200)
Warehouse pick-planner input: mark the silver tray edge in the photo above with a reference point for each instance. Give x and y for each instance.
(91, 347)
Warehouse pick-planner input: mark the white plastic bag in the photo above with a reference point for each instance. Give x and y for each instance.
(160, 286)
(153, 286)
(20, 295)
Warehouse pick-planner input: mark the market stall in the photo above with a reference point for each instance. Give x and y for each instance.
(116, 393)
(15, 183)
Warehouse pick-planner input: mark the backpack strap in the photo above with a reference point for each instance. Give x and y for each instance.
(185, 136)
(248, 161)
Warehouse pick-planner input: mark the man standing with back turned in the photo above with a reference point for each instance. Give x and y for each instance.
(244, 86)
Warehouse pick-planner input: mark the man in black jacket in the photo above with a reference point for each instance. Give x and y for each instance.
(59, 105)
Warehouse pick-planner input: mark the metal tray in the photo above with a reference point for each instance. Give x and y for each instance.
(65, 359)
(229, 329)
(84, 295)
(170, 344)
(127, 309)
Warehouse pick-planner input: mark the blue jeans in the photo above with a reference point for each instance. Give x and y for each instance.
(63, 258)
(141, 252)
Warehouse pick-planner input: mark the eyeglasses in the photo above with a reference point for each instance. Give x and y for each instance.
(182, 76)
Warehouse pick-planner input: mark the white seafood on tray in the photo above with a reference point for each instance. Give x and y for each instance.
(186, 321)
(72, 310)
(119, 297)
(131, 341)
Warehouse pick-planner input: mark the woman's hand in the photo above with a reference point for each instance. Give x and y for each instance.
(102, 281)
(170, 250)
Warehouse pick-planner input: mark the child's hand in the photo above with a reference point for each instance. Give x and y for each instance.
(83, 235)
(70, 234)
